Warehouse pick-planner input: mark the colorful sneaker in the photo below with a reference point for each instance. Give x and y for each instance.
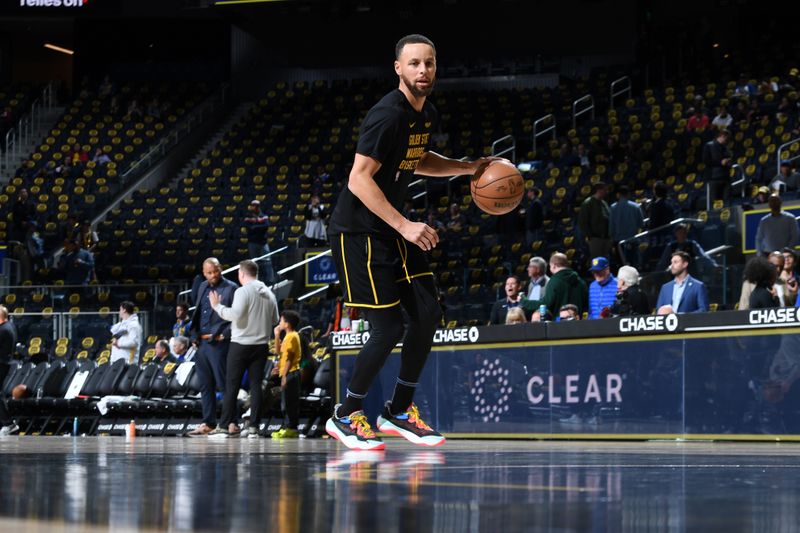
(353, 431)
(286, 433)
(409, 426)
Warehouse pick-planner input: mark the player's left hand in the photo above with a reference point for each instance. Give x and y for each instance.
(483, 162)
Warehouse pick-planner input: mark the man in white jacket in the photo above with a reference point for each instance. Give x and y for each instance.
(253, 314)
(127, 335)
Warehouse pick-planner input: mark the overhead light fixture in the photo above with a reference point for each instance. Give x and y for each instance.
(59, 49)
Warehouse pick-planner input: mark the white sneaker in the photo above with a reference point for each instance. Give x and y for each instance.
(11, 429)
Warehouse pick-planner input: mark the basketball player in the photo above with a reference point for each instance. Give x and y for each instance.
(379, 254)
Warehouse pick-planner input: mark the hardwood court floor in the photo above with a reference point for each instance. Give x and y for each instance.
(174, 484)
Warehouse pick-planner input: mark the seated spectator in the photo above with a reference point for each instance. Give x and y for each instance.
(723, 119)
(512, 299)
(87, 236)
(537, 268)
(568, 312)
(584, 156)
(457, 220)
(106, 88)
(630, 300)
(762, 275)
(134, 111)
(182, 349)
(565, 287)
(126, 335)
(76, 263)
(78, 155)
(740, 112)
(515, 315)
(432, 221)
(684, 294)
(683, 244)
(182, 320)
(100, 157)
(603, 290)
(698, 121)
(762, 195)
(786, 180)
(163, 355)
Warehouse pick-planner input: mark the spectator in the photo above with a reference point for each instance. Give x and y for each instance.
(315, 223)
(534, 217)
(154, 108)
(126, 335)
(660, 212)
(100, 157)
(684, 294)
(683, 244)
(515, 315)
(76, 263)
(740, 112)
(723, 119)
(78, 155)
(603, 290)
(512, 299)
(789, 263)
(630, 299)
(182, 320)
(34, 247)
(611, 154)
(625, 221)
(134, 111)
(787, 179)
(785, 294)
(288, 369)
(409, 212)
(718, 159)
(253, 312)
(162, 353)
(593, 220)
(761, 274)
(214, 335)
(8, 345)
(256, 225)
(584, 156)
(106, 88)
(457, 220)
(537, 272)
(698, 121)
(776, 230)
(88, 237)
(433, 222)
(568, 312)
(762, 195)
(564, 287)
(23, 212)
(182, 349)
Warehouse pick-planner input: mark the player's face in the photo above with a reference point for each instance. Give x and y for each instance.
(417, 69)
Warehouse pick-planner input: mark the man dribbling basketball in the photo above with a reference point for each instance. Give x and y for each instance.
(379, 253)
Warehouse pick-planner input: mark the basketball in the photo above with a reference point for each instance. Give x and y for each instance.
(19, 392)
(498, 189)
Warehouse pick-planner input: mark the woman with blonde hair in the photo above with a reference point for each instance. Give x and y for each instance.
(515, 315)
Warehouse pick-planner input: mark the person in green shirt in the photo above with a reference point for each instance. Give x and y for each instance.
(565, 287)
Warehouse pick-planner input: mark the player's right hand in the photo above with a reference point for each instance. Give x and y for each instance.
(420, 234)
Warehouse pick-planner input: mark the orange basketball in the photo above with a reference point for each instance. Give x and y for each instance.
(498, 189)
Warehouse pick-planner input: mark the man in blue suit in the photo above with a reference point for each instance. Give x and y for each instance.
(684, 294)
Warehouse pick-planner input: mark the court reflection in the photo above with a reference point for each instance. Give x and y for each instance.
(180, 485)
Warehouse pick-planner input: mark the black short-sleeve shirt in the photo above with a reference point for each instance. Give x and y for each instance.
(395, 134)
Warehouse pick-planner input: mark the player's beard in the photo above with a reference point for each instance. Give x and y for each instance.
(414, 90)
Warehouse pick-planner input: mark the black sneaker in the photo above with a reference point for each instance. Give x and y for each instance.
(353, 431)
(409, 426)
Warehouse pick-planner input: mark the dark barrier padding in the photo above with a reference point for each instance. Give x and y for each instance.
(716, 375)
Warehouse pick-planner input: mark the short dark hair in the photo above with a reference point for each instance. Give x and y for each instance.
(660, 189)
(570, 307)
(249, 267)
(183, 305)
(599, 186)
(686, 258)
(163, 343)
(128, 307)
(414, 38)
(624, 190)
(291, 317)
(724, 133)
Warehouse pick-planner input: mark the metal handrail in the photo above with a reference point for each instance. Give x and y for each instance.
(575, 113)
(780, 149)
(736, 168)
(536, 133)
(625, 89)
(303, 262)
(236, 267)
(512, 148)
(646, 233)
(18, 136)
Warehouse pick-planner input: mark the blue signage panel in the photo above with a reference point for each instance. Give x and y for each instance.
(705, 384)
(320, 272)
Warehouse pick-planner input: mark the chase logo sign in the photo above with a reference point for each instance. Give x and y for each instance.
(457, 335)
(648, 323)
(780, 315)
